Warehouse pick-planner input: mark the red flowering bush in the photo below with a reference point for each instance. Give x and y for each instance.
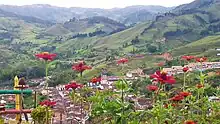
(73, 85)
(46, 56)
(96, 80)
(48, 103)
(122, 61)
(199, 86)
(163, 77)
(185, 94)
(188, 58)
(81, 67)
(203, 59)
(185, 69)
(190, 122)
(177, 98)
(152, 88)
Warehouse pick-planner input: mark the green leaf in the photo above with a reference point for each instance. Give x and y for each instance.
(162, 94)
(121, 85)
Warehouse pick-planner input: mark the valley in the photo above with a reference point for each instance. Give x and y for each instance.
(97, 38)
(133, 62)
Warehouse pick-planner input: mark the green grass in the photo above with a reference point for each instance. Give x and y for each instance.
(116, 40)
(205, 46)
(129, 49)
(57, 30)
(93, 29)
(94, 72)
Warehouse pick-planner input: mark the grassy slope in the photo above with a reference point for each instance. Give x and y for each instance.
(191, 25)
(113, 41)
(16, 52)
(183, 22)
(116, 40)
(202, 47)
(57, 30)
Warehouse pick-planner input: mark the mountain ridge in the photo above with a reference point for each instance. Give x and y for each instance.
(30, 19)
(62, 14)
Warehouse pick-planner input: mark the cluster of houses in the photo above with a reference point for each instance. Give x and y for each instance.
(192, 67)
(107, 81)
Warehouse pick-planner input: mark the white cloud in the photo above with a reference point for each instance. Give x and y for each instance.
(96, 3)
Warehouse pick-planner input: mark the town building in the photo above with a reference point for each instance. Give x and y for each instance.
(136, 73)
(192, 67)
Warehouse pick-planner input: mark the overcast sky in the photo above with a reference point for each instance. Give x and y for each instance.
(96, 3)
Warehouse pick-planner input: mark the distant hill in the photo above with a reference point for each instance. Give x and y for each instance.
(87, 25)
(41, 11)
(170, 30)
(61, 14)
(29, 19)
(139, 16)
(191, 22)
(13, 25)
(197, 4)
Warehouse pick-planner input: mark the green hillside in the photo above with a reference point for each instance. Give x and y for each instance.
(57, 29)
(100, 40)
(181, 28)
(168, 31)
(202, 47)
(118, 39)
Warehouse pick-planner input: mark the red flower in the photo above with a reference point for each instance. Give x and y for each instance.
(48, 103)
(199, 86)
(185, 94)
(203, 59)
(187, 58)
(46, 56)
(185, 69)
(173, 104)
(190, 122)
(73, 85)
(163, 78)
(161, 64)
(122, 61)
(81, 67)
(152, 88)
(177, 98)
(96, 80)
